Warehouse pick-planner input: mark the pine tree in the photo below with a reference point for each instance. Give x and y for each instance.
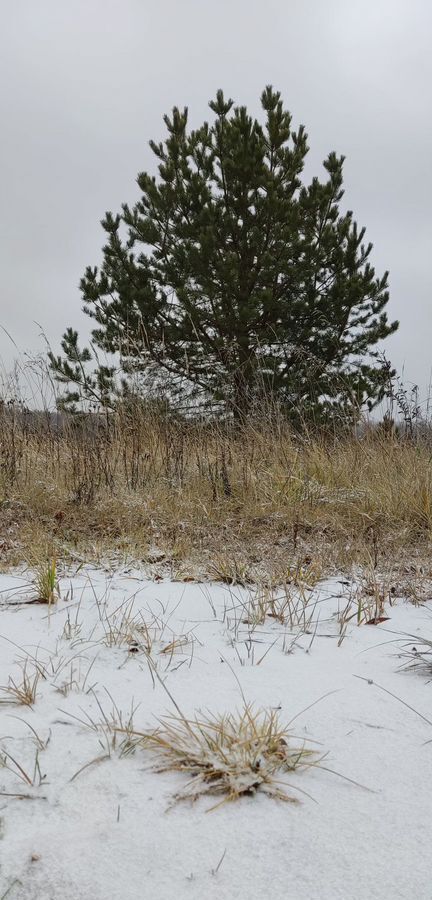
(230, 277)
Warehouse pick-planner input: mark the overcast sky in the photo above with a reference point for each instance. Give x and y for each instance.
(84, 85)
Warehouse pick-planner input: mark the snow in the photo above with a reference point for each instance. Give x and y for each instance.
(113, 832)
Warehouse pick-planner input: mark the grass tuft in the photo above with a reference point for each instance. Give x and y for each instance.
(419, 656)
(22, 692)
(45, 582)
(235, 754)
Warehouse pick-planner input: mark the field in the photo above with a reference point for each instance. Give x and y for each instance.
(123, 774)
(215, 658)
(209, 500)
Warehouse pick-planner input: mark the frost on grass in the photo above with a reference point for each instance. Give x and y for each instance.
(235, 754)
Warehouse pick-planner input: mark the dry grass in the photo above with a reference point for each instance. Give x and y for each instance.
(234, 755)
(222, 502)
(31, 777)
(45, 582)
(418, 656)
(22, 692)
(292, 606)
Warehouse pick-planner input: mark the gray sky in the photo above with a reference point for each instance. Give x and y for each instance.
(84, 85)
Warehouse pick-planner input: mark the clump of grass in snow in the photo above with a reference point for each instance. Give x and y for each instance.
(366, 603)
(45, 582)
(108, 727)
(229, 570)
(33, 778)
(124, 627)
(419, 656)
(235, 754)
(22, 692)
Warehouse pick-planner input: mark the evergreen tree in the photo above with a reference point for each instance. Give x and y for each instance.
(230, 277)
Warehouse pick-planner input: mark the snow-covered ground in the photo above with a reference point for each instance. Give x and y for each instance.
(112, 832)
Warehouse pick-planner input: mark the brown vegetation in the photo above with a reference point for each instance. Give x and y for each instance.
(204, 498)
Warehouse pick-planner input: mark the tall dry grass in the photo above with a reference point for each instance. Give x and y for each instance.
(210, 494)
